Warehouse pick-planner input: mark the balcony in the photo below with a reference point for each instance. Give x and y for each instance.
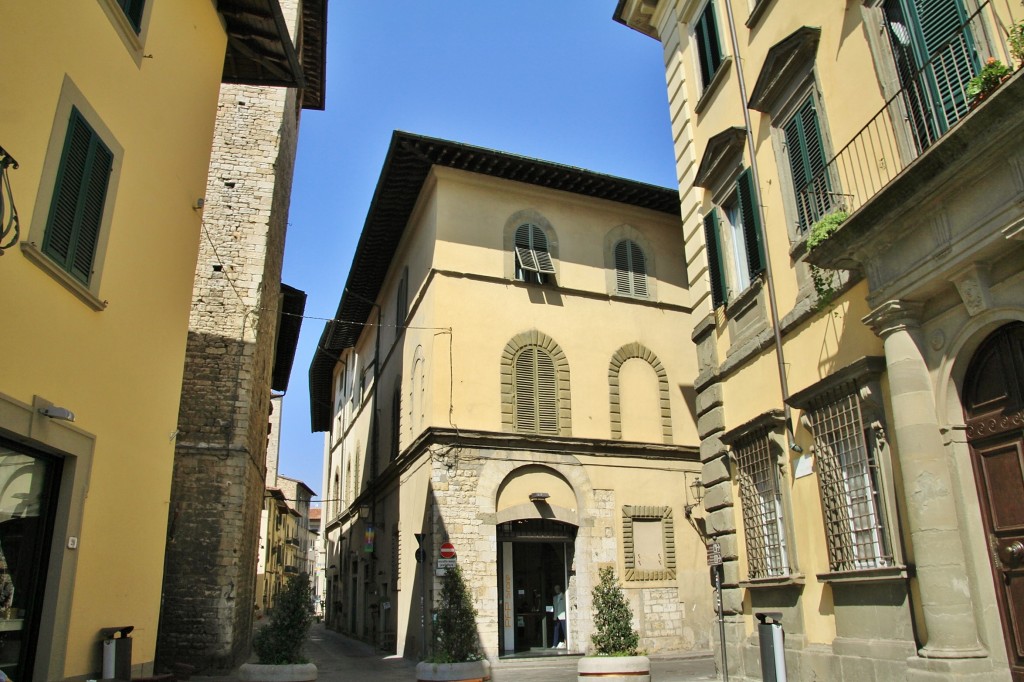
(294, 542)
(291, 569)
(929, 105)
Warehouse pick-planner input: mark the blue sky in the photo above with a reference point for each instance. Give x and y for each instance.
(552, 79)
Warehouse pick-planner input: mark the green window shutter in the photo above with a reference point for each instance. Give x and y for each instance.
(709, 50)
(133, 10)
(547, 394)
(714, 251)
(76, 211)
(751, 223)
(531, 247)
(807, 165)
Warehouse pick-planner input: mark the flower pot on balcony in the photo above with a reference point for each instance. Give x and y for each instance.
(613, 669)
(470, 671)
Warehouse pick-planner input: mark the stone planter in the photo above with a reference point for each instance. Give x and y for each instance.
(294, 672)
(471, 671)
(614, 669)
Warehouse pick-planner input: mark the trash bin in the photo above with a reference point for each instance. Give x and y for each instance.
(117, 652)
(772, 646)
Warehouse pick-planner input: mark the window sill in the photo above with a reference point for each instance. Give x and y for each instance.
(867, 575)
(34, 254)
(746, 296)
(792, 580)
(709, 91)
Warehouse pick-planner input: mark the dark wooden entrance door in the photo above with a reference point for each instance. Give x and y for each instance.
(994, 411)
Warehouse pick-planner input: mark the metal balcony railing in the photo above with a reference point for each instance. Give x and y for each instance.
(930, 102)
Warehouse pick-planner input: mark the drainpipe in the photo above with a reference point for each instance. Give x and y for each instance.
(769, 280)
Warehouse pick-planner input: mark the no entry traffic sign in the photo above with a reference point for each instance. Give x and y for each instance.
(447, 550)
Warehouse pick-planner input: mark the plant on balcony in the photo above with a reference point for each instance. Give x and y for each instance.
(988, 79)
(826, 282)
(278, 645)
(1016, 40)
(456, 654)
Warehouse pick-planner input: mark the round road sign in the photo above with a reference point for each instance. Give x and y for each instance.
(447, 550)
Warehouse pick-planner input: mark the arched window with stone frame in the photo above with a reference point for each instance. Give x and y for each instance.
(535, 386)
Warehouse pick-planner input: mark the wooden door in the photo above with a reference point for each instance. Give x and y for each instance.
(994, 411)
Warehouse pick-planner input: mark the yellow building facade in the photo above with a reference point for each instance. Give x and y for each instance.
(504, 377)
(106, 124)
(851, 211)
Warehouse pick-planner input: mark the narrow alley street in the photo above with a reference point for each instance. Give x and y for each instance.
(339, 658)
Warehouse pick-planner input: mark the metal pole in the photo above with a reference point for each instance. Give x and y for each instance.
(721, 622)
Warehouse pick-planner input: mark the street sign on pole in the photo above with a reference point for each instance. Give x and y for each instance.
(714, 554)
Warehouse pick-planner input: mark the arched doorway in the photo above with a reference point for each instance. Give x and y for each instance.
(994, 413)
(534, 565)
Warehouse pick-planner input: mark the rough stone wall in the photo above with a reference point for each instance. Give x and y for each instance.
(218, 484)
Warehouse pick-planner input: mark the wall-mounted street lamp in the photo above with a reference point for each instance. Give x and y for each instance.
(539, 498)
(364, 511)
(696, 494)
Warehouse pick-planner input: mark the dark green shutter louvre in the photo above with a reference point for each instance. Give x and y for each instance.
(709, 51)
(630, 269)
(807, 164)
(751, 223)
(76, 211)
(622, 284)
(714, 252)
(133, 10)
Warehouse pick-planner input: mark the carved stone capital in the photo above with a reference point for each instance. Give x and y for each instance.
(894, 316)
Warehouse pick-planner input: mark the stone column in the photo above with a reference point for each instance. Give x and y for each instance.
(928, 492)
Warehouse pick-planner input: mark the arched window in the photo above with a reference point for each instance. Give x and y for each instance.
(535, 386)
(630, 269)
(533, 260)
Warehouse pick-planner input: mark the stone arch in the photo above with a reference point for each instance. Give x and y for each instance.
(508, 355)
(638, 351)
(512, 497)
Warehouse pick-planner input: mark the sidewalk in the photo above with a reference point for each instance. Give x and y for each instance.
(341, 659)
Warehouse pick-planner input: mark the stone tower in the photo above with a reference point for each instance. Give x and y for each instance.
(243, 329)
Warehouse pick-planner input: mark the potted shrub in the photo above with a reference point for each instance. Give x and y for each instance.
(278, 645)
(616, 657)
(456, 655)
(991, 77)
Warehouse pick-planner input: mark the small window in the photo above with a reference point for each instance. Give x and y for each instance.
(402, 302)
(533, 261)
(807, 165)
(76, 211)
(133, 11)
(630, 269)
(535, 398)
(733, 236)
(709, 49)
(761, 498)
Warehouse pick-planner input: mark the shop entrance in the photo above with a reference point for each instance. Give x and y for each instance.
(534, 556)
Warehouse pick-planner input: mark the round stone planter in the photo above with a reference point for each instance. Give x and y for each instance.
(471, 671)
(614, 669)
(294, 672)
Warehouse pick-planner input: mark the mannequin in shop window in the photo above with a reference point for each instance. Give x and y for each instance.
(558, 602)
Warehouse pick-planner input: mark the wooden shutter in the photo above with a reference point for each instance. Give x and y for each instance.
(714, 251)
(709, 50)
(751, 223)
(536, 392)
(133, 10)
(807, 165)
(630, 268)
(547, 394)
(525, 390)
(76, 211)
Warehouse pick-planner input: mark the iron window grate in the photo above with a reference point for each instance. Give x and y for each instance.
(848, 480)
(761, 497)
